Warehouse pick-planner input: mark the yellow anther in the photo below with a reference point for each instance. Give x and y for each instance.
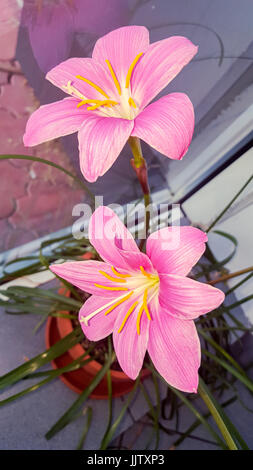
(131, 102)
(114, 76)
(118, 303)
(93, 85)
(130, 70)
(131, 309)
(120, 274)
(145, 272)
(110, 288)
(111, 278)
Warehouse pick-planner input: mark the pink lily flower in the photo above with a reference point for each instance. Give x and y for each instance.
(109, 99)
(145, 300)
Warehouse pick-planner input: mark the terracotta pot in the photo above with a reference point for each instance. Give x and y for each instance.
(57, 328)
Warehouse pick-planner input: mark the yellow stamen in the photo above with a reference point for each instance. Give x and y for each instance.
(110, 288)
(145, 308)
(131, 102)
(88, 101)
(128, 315)
(114, 76)
(93, 85)
(119, 274)
(130, 70)
(145, 272)
(102, 103)
(118, 303)
(111, 278)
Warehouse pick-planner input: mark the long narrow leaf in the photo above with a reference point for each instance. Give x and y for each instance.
(89, 412)
(71, 412)
(110, 433)
(228, 430)
(58, 349)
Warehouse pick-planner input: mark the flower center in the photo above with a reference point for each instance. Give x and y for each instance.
(125, 107)
(142, 286)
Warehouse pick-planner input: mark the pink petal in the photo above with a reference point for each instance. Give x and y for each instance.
(160, 64)
(120, 47)
(101, 140)
(135, 260)
(110, 237)
(130, 347)
(100, 325)
(186, 298)
(87, 68)
(54, 120)
(174, 349)
(167, 125)
(175, 250)
(85, 274)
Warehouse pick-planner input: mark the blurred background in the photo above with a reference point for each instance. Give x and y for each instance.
(35, 35)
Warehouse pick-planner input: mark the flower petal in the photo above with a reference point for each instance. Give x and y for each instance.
(101, 140)
(120, 47)
(85, 274)
(186, 298)
(100, 325)
(159, 65)
(174, 349)
(130, 347)
(54, 120)
(175, 250)
(88, 68)
(110, 237)
(167, 125)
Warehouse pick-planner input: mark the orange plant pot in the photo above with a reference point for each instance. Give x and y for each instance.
(56, 329)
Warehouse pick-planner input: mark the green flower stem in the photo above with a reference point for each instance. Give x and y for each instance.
(138, 163)
(217, 415)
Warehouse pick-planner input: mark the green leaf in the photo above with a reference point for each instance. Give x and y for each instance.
(109, 433)
(235, 372)
(75, 365)
(109, 386)
(153, 412)
(56, 350)
(226, 427)
(89, 412)
(71, 412)
(194, 410)
(229, 204)
(240, 283)
(221, 350)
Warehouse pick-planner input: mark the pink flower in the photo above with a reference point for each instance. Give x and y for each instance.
(110, 96)
(145, 300)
